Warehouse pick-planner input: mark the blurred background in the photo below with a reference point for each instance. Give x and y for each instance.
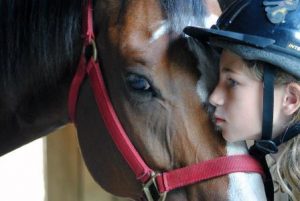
(49, 169)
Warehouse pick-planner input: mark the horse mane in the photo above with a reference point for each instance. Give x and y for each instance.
(184, 13)
(179, 13)
(37, 39)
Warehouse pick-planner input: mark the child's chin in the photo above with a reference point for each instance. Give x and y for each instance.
(228, 138)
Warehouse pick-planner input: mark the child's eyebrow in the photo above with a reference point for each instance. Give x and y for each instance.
(227, 70)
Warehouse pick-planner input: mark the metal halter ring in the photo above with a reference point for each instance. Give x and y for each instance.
(90, 50)
(151, 191)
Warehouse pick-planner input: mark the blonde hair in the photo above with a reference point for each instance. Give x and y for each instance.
(287, 167)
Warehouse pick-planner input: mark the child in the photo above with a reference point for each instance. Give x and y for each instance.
(258, 93)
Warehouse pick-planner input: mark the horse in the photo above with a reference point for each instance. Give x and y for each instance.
(152, 77)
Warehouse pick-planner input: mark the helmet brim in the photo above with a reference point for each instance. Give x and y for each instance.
(247, 46)
(203, 34)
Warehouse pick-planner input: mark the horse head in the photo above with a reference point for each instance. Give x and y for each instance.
(149, 69)
(151, 75)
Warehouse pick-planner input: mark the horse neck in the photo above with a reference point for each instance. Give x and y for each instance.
(42, 45)
(244, 186)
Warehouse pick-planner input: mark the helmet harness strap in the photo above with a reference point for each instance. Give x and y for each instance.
(290, 132)
(266, 144)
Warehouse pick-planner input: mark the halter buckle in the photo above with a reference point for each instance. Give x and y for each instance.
(151, 190)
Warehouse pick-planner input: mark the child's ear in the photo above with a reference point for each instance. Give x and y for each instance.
(291, 102)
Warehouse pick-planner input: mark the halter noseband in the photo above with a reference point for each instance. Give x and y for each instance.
(156, 185)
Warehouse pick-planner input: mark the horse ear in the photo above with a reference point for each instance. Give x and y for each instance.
(225, 3)
(291, 102)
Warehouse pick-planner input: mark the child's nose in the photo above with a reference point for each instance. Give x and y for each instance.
(216, 98)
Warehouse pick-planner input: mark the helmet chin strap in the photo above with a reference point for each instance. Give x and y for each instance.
(266, 144)
(290, 132)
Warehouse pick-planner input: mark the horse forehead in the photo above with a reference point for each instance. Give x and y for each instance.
(160, 31)
(143, 23)
(143, 45)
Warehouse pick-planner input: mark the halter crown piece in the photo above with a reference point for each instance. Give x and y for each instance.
(155, 185)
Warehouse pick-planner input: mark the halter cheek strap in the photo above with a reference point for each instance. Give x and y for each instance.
(156, 185)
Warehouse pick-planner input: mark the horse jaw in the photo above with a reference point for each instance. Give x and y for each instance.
(244, 186)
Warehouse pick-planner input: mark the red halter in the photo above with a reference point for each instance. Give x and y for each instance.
(162, 182)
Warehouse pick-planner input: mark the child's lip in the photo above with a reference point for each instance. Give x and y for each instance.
(219, 119)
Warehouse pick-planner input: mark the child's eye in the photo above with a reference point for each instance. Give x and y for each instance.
(231, 82)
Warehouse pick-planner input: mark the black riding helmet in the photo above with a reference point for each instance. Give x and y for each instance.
(265, 30)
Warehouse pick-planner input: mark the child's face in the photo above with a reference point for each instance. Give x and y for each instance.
(238, 100)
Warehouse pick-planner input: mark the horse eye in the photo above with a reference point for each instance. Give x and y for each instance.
(138, 83)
